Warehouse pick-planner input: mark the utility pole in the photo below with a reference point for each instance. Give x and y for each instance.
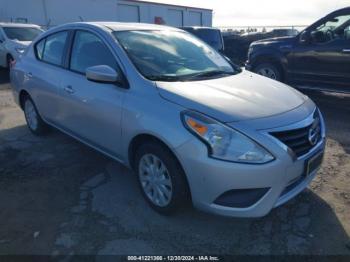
(45, 14)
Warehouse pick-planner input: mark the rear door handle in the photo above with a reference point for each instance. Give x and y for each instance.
(346, 50)
(69, 89)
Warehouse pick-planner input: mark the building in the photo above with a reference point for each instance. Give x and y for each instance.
(49, 13)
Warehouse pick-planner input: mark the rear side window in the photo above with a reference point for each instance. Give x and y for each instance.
(89, 50)
(51, 48)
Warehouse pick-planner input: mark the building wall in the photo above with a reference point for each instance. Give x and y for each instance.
(49, 13)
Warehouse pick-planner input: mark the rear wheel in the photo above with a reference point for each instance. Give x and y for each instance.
(34, 122)
(161, 178)
(269, 70)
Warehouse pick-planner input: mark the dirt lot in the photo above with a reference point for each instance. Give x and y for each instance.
(59, 197)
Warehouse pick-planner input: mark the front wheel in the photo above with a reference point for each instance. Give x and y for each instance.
(34, 122)
(269, 70)
(161, 178)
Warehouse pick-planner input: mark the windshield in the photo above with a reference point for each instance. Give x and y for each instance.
(22, 33)
(167, 55)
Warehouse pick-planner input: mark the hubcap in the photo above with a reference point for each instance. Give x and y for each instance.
(155, 180)
(268, 72)
(31, 115)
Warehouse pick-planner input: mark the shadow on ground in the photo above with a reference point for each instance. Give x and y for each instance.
(4, 76)
(65, 198)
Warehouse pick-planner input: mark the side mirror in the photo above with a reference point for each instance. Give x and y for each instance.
(101, 73)
(318, 36)
(305, 37)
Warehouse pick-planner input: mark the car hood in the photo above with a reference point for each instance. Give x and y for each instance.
(234, 98)
(284, 39)
(19, 44)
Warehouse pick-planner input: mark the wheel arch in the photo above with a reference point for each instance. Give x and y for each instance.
(8, 57)
(23, 94)
(140, 139)
(273, 59)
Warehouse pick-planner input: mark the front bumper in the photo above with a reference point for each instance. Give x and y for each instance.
(209, 178)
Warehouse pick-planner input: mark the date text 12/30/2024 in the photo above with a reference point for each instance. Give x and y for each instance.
(173, 258)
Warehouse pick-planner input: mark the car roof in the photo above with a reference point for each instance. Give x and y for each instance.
(121, 26)
(17, 25)
(200, 27)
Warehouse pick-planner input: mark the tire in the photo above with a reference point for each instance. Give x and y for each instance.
(269, 70)
(164, 179)
(34, 121)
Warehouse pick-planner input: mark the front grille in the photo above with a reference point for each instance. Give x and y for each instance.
(301, 140)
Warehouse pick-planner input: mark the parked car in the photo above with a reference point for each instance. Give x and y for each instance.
(191, 125)
(14, 38)
(212, 36)
(237, 46)
(284, 32)
(320, 53)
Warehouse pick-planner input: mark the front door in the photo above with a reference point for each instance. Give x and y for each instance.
(326, 57)
(89, 110)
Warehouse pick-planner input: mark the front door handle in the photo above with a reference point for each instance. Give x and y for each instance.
(346, 50)
(69, 89)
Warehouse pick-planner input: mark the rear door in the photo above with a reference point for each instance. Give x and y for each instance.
(91, 111)
(44, 73)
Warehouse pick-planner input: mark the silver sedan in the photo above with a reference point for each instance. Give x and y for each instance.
(192, 125)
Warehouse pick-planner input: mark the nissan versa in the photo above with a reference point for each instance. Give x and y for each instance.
(190, 124)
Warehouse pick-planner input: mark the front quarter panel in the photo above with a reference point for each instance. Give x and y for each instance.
(145, 112)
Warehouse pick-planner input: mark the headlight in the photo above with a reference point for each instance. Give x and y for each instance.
(20, 50)
(224, 142)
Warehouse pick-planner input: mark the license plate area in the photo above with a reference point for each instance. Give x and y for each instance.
(313, 163)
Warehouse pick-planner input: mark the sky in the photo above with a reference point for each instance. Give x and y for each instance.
(264, 12)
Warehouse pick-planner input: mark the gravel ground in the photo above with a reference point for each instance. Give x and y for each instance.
(59, 197)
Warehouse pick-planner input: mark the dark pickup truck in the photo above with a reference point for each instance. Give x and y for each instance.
(320, 53)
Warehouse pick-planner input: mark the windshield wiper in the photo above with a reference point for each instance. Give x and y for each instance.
(208, 74)
(163, 78)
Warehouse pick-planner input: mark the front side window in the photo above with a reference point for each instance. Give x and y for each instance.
(167, 55)
(332, 28)
(51, 48)
(22, 33)
(40, 49)
(89, 50)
